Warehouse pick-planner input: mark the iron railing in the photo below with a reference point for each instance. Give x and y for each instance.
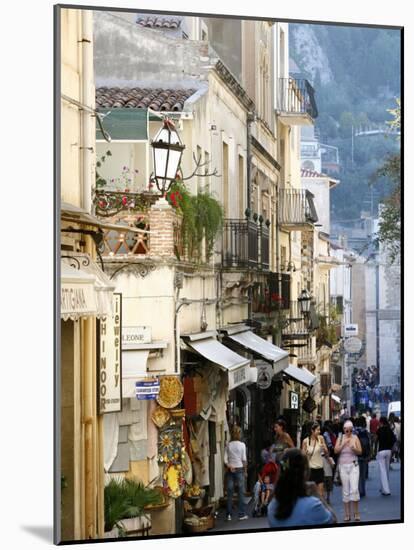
(296, 206)
(296, 97)
(298, 326)
(245, 244)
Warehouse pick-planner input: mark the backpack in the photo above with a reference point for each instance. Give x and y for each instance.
(365, 443)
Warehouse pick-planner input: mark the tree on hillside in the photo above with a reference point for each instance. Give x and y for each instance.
(390, 222)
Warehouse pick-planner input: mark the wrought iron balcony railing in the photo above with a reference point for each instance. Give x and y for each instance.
(298, 327)
(297, 210)
(245, 244)
(273, 295)
(108, 202)
(296, 98)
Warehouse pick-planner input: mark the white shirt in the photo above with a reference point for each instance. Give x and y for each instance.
(235, 454)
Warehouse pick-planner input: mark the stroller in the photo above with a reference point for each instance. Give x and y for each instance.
(258, 503)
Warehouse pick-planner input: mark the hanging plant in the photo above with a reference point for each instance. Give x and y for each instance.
(202, 219)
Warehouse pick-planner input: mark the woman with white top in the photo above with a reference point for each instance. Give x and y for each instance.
(348, 447)
(314, 447)
(235, 461)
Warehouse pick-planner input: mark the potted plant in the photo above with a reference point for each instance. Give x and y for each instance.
(125, 507)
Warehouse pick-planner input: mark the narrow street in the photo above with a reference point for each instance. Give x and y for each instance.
(373, 507)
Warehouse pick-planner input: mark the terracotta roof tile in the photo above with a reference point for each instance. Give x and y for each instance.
(157, 99)
(154, 22)
(311, 174)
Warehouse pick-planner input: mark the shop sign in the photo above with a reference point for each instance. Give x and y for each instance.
(294, 400)
(136, 335)
(77, 299)
(353, 345)
(238, 376)
(109, 346)
(264, 376)
(351, 330)
(147, 389)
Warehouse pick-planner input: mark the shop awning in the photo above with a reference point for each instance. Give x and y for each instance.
(226, 359)
(335, 398)
(267, 350)
(134, 368)
(77, 293)
(102, 290)
(301, 375)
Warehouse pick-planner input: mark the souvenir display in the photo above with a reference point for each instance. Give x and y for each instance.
(171, 392)
(160, 416)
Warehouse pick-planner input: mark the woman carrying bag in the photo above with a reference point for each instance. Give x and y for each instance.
(314, 447)
(348, 448)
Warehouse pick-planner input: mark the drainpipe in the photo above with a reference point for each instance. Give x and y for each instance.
(249, 120)
(88, 99)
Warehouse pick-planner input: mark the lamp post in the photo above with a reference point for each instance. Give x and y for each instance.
(167, 149)
(304, 302)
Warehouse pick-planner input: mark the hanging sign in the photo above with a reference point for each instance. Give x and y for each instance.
(294, 400)
(147, 389)
(351, 330)
(353, 345)
(264, 375)
(109, 355)
(239, 376)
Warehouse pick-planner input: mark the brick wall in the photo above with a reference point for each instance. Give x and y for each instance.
(162, 220)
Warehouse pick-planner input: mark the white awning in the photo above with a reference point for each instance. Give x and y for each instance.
(134, 368)
(103, 288)
(236, 365)
(77, 293)
(301, 375)
(267, 350)
(335, 398)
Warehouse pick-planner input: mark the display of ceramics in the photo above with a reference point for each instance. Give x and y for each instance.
(171, 392)
(173, 480)
(160, 416)
(187, 468)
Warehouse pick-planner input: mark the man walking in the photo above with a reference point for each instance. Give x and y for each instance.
(373, 428)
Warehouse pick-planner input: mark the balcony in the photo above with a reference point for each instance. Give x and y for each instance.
(273, 295)
(296, 102)
(298, 328)
(306, 352)
(245, 245)
(297, 210)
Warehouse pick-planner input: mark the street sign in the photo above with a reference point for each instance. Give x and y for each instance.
(147, 389)
(294, 400)
(353, 345)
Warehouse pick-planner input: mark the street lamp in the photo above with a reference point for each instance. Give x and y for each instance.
(168, 149)
(304, 302)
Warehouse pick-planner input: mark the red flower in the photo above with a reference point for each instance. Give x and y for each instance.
(102, 204)
(124, 201)
(276, 297)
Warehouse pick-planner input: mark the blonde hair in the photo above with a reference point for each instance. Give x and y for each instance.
(236, 433)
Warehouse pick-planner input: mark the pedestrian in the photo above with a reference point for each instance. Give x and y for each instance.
(235, 460)
(373, 428)
(348, 448)
(296, 501)
(386, 440)
(328, 473)
(282, 442)
(314, 447)
(265, 453)
(363, 458)
(397, 444)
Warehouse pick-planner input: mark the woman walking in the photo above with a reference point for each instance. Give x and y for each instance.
(386, 440)
(293, 503)
(236, 462)
(282, 442)
(348, 447)
(315, 449)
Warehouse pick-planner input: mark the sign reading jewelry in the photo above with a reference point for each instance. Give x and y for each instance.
(109, 347)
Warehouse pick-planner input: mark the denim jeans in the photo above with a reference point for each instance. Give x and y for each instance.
(363, 469)
(237, 478)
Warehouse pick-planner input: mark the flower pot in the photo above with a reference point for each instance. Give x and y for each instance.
(137, 526)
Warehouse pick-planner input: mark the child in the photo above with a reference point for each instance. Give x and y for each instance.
(266, 491)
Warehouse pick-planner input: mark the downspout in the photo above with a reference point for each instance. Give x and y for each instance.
(249, 119)
(88, 99)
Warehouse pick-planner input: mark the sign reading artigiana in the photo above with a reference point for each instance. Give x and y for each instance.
(109, 346)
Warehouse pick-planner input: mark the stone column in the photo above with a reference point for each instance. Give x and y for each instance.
(163, 220)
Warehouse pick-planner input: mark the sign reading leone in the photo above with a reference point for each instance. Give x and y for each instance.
(110, 360)
(136, 335)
